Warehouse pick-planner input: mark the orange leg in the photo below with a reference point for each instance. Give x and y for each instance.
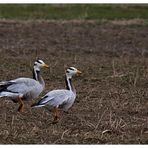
(56, 115)
(21, 107)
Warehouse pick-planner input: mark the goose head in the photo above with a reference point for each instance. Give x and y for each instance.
(72, 71)
(40, 64)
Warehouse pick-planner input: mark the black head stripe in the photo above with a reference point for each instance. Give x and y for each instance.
(70, 68)
(67, 71)
(39, 61)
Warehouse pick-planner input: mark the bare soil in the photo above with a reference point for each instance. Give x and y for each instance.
(112, 98)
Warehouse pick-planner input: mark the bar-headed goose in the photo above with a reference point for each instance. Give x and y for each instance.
(24, 88)
(61, 98)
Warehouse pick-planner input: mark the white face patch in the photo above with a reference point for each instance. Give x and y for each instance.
(38, 63)
(71, 71)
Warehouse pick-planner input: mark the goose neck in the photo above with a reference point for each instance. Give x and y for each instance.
(38, 77)
(69, 85)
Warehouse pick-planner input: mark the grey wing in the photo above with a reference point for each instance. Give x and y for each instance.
(26, 87)
(22, 85)
(55, 97)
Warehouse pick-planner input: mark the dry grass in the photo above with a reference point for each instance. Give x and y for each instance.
(135, 21)
(111, 104)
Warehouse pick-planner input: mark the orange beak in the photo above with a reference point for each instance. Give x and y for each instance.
(79, 72)
(46, 66)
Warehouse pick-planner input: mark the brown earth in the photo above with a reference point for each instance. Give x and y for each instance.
(112, 98)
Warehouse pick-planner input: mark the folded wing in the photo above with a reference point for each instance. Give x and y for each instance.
(54, 98)
(17, 86)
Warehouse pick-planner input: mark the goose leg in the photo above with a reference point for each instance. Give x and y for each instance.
(21, 107)
(56, 115)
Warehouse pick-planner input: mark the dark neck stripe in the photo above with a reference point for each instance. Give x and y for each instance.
(67, 87)
(68, 83)
(36, 74)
